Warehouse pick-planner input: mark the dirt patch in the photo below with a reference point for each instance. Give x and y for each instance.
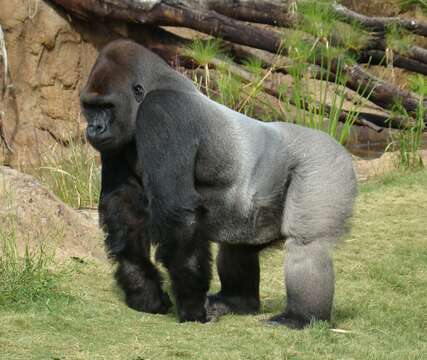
(33, 215)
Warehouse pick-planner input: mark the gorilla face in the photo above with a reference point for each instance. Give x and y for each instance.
(110, 102)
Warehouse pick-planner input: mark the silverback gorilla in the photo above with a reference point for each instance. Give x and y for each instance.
(180, 171)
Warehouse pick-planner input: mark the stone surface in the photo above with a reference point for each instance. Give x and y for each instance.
(50, 56)
(31, 214)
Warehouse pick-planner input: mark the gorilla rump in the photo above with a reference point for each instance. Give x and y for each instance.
(180, 171)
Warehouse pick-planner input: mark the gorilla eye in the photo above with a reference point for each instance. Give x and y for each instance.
(139, 92)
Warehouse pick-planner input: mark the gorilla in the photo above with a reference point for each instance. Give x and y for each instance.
(180, 171)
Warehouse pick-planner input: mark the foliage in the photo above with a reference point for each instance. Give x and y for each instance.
(406, 4)
(410, 140)
(398, 39)
(203, 51)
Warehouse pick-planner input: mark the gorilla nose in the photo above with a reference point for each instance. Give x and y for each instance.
(96, 128)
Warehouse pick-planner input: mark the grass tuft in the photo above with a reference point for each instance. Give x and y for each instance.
(26, 272)
(203, 51)
(398, 39)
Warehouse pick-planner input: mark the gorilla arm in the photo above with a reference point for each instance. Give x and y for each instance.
(122, 215)
(121, 203)
(167, 144)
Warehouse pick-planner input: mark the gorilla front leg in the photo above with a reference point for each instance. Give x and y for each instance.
(189, 268)
(238, 270)
(123, 218)
(141, 282)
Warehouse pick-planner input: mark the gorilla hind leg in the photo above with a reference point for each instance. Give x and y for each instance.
(310, 283)
(238, 269)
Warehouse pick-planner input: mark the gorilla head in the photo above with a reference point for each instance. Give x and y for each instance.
(112, 95)
(117, 84)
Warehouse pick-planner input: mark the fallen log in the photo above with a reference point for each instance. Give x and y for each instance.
(378, 57)
(378, 23)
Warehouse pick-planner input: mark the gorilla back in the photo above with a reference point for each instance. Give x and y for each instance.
(181, 170)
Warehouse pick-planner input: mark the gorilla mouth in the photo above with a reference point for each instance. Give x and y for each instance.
(99, 118)
(101, 141)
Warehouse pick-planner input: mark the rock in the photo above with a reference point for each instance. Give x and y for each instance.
(30, 213)
(50, 56)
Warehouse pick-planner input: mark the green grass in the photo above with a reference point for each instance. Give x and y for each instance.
(381, 300)
(27, 275)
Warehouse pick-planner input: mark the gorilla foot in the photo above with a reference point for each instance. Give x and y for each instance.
(290, 320)
(149, 303)
(197, 313)
(219, 305)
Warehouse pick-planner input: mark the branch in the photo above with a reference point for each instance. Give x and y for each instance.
(379, 23)
(383, 94)
(378, 57)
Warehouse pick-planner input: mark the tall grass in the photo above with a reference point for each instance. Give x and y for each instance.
(408, 141)
(321, 106)
(72, 173)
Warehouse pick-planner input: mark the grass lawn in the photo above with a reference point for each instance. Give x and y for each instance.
(381, 300)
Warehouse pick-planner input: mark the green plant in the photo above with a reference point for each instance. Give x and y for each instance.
(203, 52)
(398, 39)
(72, 174)
(418, 84)
(409, 140)
(320, 104)
(229, 89)
(405, 4)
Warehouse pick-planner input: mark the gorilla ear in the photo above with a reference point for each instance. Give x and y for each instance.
(139, 92)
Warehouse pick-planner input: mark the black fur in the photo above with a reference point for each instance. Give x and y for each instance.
(238, 270)
(122, 214)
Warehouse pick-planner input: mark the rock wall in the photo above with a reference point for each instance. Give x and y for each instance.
(50, 56)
